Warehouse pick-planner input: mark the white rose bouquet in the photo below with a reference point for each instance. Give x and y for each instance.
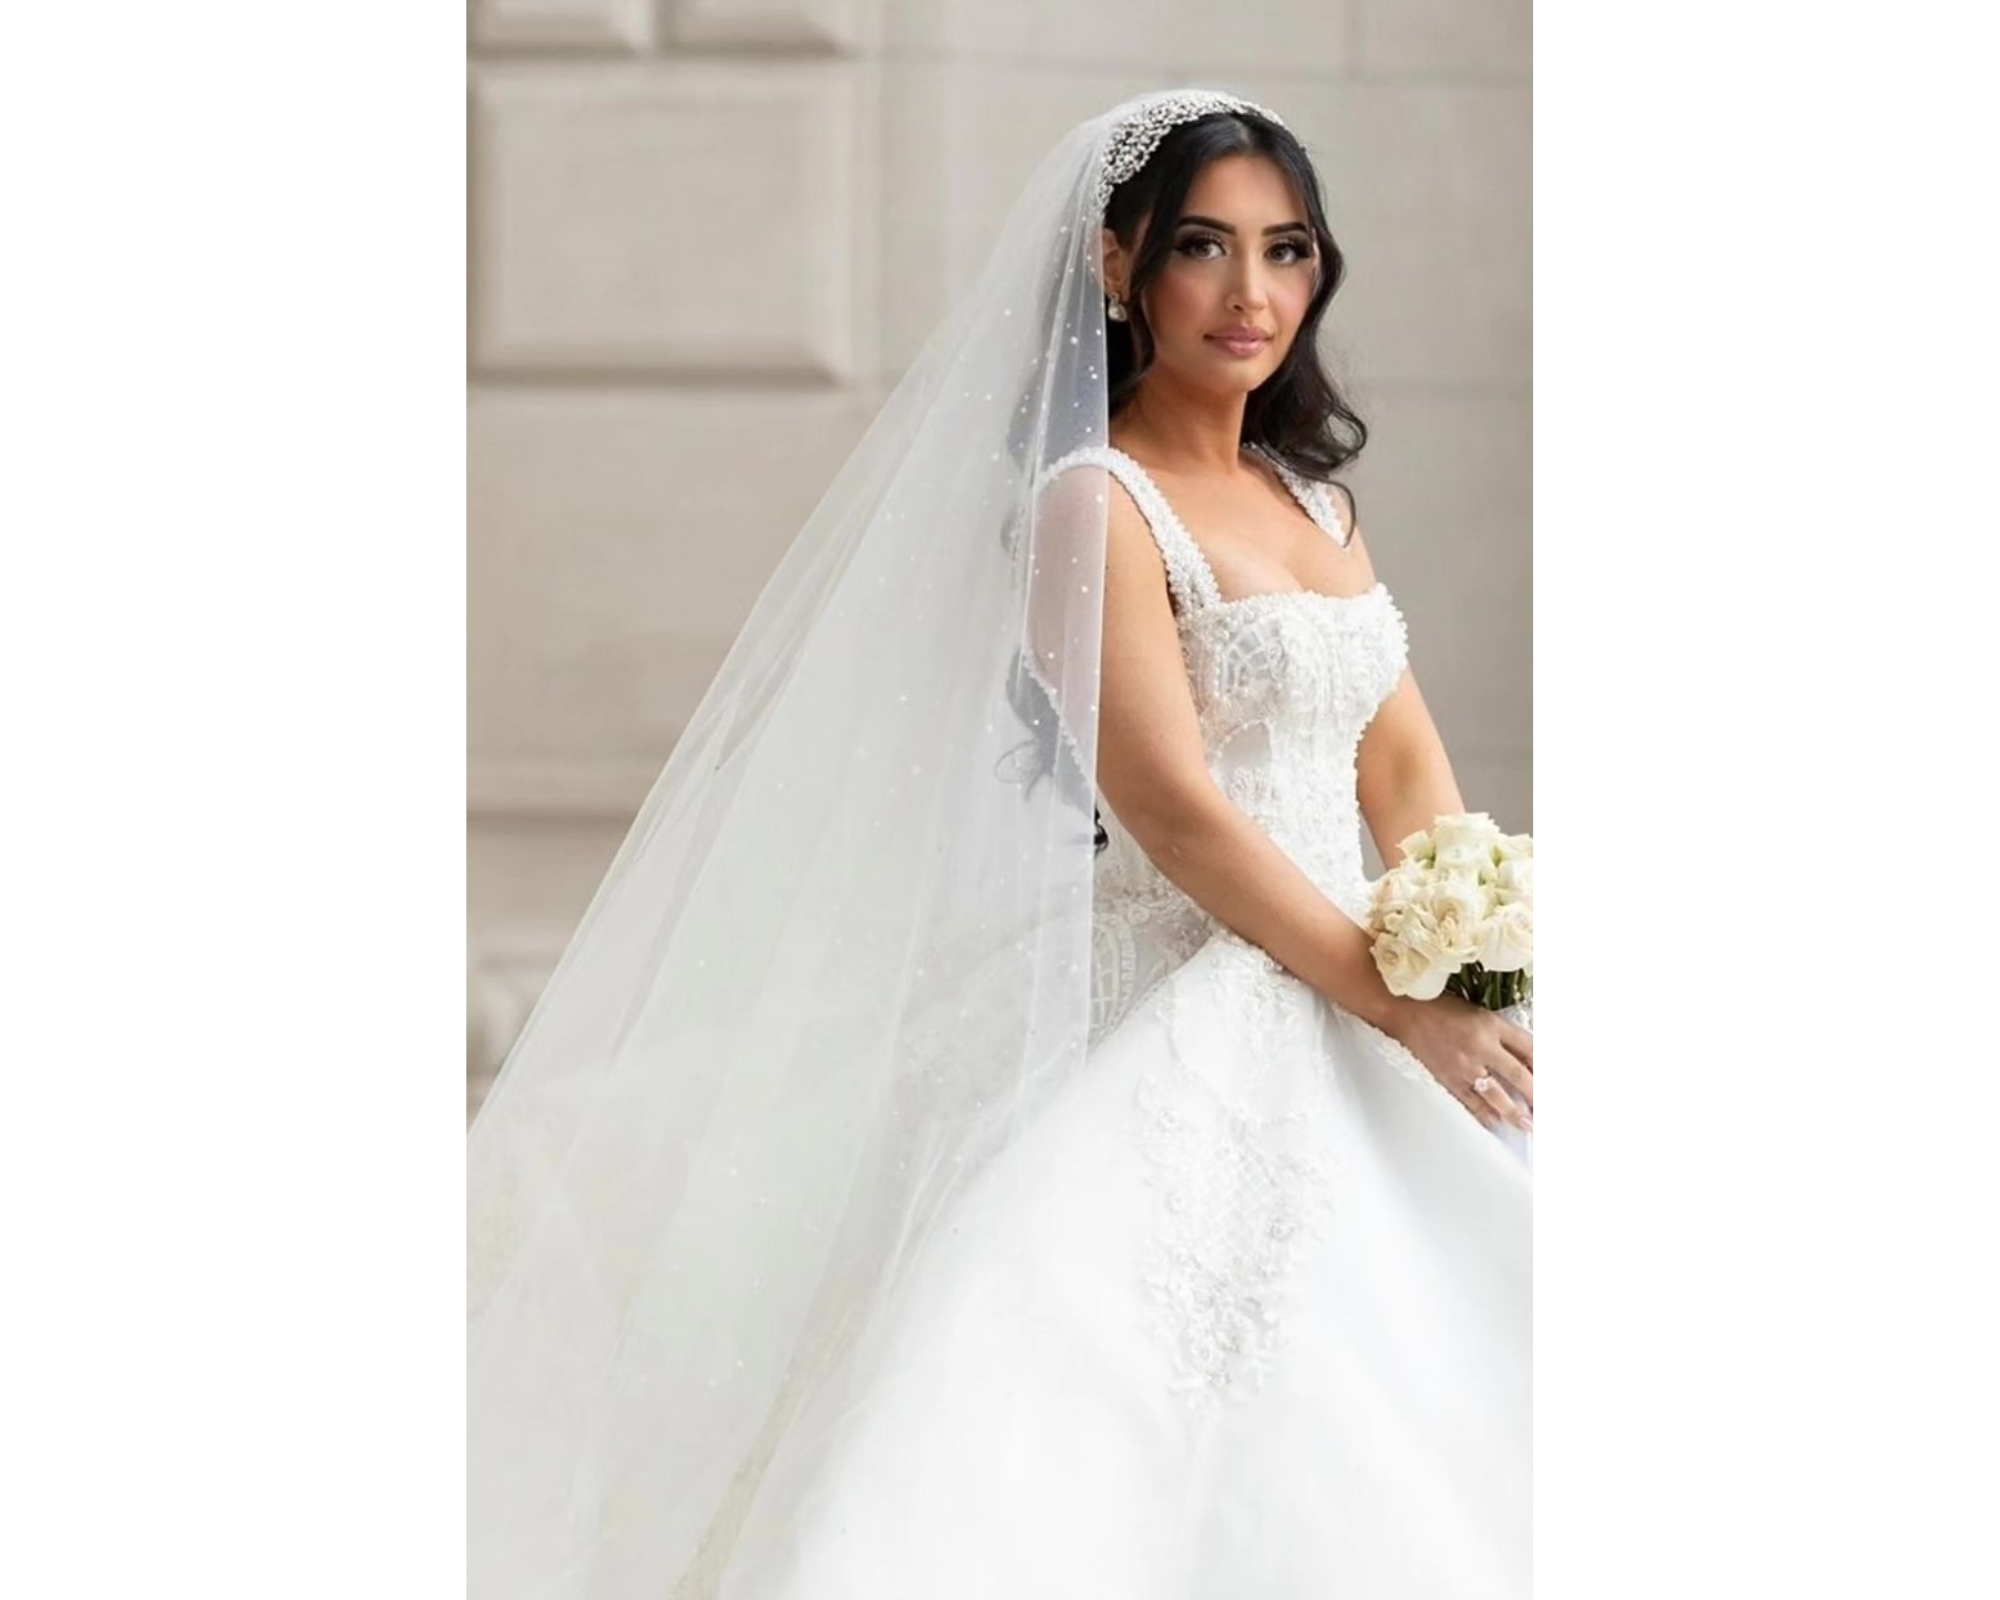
(1458, 913)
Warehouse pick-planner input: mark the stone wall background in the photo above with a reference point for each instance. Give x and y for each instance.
(706, 237)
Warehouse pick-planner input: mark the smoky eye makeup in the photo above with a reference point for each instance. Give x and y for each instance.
(1300, 244)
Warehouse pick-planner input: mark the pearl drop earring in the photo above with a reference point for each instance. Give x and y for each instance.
(1114, 309)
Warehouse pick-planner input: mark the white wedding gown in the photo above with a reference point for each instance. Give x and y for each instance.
(1246, 1314)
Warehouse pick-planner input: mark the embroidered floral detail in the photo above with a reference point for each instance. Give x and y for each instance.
(1241, 1189)
(1143, 931)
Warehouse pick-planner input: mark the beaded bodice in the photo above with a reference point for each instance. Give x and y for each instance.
(1284, 685)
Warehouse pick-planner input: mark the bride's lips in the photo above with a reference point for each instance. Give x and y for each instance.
(1237, 346)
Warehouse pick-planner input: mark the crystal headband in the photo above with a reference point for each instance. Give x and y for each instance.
(1134, 140)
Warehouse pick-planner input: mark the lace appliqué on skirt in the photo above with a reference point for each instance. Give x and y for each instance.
(1241, 1187)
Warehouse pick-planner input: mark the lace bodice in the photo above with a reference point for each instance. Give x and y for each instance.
(1284, 684)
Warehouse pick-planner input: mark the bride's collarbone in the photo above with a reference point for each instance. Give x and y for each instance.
(1253, 561)
(1254, 544)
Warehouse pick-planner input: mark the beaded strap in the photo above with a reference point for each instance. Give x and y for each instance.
(1189, 579)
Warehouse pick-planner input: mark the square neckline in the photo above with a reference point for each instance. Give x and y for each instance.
(1214, 599)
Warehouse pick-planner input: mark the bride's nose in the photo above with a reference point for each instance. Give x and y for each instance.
(1246, 290)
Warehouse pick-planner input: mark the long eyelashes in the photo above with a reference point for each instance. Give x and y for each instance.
(1186, 247)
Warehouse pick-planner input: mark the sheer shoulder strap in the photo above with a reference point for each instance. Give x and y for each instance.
(1189, 579)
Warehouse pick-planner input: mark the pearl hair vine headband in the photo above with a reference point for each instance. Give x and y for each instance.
(1134, 140)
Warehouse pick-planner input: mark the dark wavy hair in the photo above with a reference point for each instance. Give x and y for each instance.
(1298, 413)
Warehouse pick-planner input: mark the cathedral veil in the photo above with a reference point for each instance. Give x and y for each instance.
(838, 963)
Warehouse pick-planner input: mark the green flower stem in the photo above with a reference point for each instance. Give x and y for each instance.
(1496, 991)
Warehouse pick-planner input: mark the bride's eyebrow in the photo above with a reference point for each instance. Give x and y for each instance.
(1225, 227)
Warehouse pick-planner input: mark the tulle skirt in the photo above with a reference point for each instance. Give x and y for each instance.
(1246, 1315)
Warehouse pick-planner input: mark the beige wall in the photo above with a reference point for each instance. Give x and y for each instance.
(706, 236)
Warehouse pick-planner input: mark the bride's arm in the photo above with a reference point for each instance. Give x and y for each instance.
(1153, 773)
(1155, 777)
(1404, 780)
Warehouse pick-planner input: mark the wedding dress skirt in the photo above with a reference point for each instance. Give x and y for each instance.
(1246, 1313)
(1034, 1434)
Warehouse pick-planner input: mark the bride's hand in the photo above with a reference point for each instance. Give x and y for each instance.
(1461, 1044)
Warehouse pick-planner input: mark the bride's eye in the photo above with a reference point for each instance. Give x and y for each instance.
(1187, 248)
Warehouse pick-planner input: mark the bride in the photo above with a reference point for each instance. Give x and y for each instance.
(967, 1149)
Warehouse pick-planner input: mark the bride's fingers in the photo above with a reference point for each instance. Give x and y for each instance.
(1515, 1076)
(1495, 1098)
(1477, 1102)
(1519, 1041)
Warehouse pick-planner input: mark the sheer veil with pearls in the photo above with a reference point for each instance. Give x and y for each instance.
(836, 966)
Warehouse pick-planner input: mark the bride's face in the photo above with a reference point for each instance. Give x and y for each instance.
(1242, 253)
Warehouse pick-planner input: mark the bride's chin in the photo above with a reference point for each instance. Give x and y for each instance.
(1246, 372)
(1229, 376)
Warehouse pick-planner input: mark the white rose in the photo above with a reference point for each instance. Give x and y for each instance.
(1507, 942)
(1409, 970)
(1464, 840)
(1457, 904)
(1395, 891)
(1474, 884)
(1407, 881)
(1383, 907)
(1420, 932)
(1515, 879)
(1514, 847)
(1418, 848)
